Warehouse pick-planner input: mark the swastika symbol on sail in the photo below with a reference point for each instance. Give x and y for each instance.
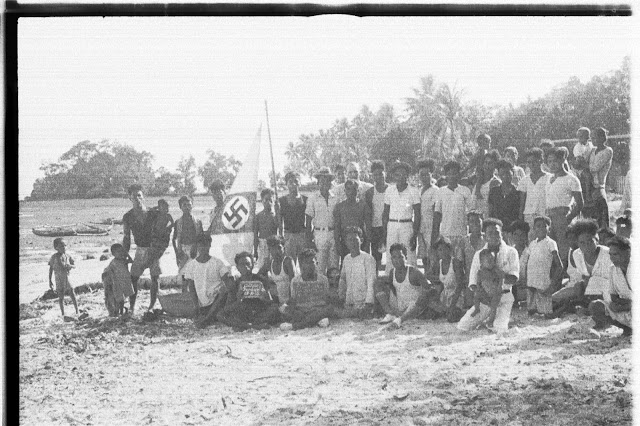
(236, 213)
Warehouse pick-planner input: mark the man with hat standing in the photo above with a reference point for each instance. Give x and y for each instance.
(319, 211)
(401, 215)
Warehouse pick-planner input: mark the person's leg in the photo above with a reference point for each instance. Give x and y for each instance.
(376, 239)
(393, 236)
(61, 301)
(598, 312)
(531, 303)
(469, 322)
(322, 244)
(309, 318)
(559, 226)
(383, 297)
(154, 271)
(267, 315)
(234, 316)
(543, 303)
(503, 313)
(72, 294)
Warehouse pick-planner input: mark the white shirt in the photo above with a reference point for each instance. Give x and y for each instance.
(207, 278)
(338, 190)
(599, 276)
(378, 208)
(358, 278)
(599, 165)
(539, 263)
(536, 200)
(427, 206)
(507, 260)
(453, 205)
(560, 192)
(518, 175)
(401, 203)
(321, 209)
(580, 150)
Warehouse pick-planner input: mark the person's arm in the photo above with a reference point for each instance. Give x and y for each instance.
(256, 241)
(368, 218)
(175, 240)
(556, 272)
(264, 269)
(458, 270)
(523, 202)
(577, 195)
(435, 233)
(50, 276)
(385, 221)
(126, 230)
(288, 267)
(371, 275)
(491, 201)
(337, 227)
(417, 217)
(342, 286)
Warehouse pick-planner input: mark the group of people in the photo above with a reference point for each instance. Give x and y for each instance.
(538, 236)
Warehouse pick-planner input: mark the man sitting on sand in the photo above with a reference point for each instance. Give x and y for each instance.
(309, 302)
(209, 283)
(404, 291)
(140, 222)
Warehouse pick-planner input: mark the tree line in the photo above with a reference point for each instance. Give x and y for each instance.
(106, 169)
(437, 122)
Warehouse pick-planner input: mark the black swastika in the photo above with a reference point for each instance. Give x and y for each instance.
(233, 213)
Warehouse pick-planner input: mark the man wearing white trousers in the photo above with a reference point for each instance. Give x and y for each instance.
(401, 215)
(320, 207)
(507, 261)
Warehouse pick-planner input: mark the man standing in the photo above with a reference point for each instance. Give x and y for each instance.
(401, 216)
(428, 194)
(504, 199)
(561, 189)
(320, 208)
(217, 189)
(532, 189)
(374, 197)
(292, 216)
(140, 221)
(450, 212)
(187, 230)
(350, 213)
(599, 165)
(507, 261)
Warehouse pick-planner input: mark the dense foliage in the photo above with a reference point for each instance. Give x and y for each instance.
(106, 169)
(438, 123)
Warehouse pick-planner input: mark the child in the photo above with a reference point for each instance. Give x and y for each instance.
(161, 233)
(61, 263)
(357, 278)
(623, 228)
(266, 226)
(489, 291)
(117, 281)
(544, 269)
(255, 305)
(280, 269)
(309, 301)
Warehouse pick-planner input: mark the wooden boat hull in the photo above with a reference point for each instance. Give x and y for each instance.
(79, 229)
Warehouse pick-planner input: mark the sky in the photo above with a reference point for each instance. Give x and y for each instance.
(179, 86)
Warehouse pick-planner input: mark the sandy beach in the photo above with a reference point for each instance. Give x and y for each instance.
(116, 371)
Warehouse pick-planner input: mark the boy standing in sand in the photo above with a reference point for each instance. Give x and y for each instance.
(163, 225)
(187, 230)
(61, 264)
(117, 281)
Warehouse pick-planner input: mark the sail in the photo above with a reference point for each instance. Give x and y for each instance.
(233, 225)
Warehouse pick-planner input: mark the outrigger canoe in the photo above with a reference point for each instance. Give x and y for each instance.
(78, 229)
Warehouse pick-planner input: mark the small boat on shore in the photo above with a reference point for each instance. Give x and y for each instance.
(78, 229)
(111, 221)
